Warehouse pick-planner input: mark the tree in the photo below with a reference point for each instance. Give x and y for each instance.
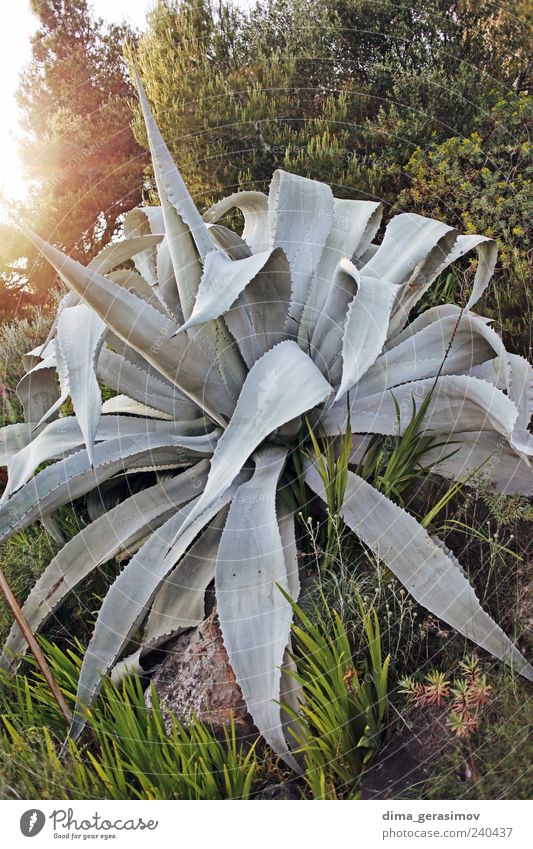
(79, 153)
(339, 90)
(234, 100)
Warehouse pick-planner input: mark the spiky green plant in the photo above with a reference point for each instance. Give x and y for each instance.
(219, 347)
(342, 718)
(130, 754)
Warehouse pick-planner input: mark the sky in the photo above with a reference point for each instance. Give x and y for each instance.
(17, 25)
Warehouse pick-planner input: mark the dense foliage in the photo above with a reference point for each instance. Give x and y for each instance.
(425, 106)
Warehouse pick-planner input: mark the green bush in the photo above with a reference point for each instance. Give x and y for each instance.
(482, 184)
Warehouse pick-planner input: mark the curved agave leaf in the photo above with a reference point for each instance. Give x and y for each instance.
(431, 576)
(224, 280)
(60, 437)
(80, 335)
(300, 218)
(64, 388)
(459, 403)
(255, 618)
(365, 329)
(38, 392)
(423, 320)
(147, 331)
(487, 251)
(41, 352)
(129, 598)
(74, 476)
(493, 371)
(355, 223)
(51, 526)
(486, 457)
(254, 207)
(12, 439)
(328, 332)
(96, 544)
(454, 343)
(117, 253)
(411, 243)
(230, 242)
(64, 435)
(281, 386)
(258, 318)
(131, 380)
(413, 290)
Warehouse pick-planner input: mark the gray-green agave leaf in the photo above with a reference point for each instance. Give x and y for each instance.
(255, 618)
(426, 568)
(98, 543)
(129, 599)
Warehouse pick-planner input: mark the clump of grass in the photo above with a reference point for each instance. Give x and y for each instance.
(393, 464)
(127, 754)
(332, 458)
(22, 559)
(342, 718)
(343, 568)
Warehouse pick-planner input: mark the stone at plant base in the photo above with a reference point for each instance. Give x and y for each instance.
(288, 790)
(195, 678)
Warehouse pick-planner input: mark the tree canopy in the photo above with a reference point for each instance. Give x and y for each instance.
(84, 167)
(343, 91)
(333, 89)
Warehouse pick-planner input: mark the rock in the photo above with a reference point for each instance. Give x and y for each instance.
(289, 790)
(195, 678)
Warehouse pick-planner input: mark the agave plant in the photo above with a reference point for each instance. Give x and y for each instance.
(219, 347)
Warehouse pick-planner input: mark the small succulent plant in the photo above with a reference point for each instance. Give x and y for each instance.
(220, 348)
(461, 701)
